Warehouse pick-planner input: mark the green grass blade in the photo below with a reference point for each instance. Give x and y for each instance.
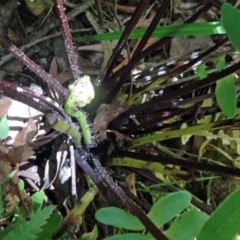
(175, 30)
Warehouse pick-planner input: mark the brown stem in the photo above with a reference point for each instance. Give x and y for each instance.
(132, 207)
(23, 58)
(68, 39)
(202, 206)
(212, 78)
(111, 80)
(121, 43)
(27, 96)
(217, 169)
(11, 90)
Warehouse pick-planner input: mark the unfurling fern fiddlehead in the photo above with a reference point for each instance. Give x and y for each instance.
(81, 93)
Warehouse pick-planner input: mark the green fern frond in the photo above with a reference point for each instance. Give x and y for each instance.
(28, 230)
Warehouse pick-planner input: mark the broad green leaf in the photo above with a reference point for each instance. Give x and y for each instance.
(118, 218)
(28, 230)
(224, 222)
(131, 236)
(175, 30)
(53, 224)
(230, 21)
(37, 199)
(4, 128)
(201, 71)
(226, 95)
(187, 225)
(168, 207)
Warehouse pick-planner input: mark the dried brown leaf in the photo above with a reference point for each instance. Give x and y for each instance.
(53, 67)
(18, 154)
(130, 183)
(105, 116)
(26, 134)
(13, 36)
(64, 76)
(5, 103)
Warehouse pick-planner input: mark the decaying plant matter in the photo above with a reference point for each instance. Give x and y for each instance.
(110, 136)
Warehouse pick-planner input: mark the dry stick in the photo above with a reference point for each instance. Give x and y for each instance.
(132, 207)
(68, 40)
(33, 66)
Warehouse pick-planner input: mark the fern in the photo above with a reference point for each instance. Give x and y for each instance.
(29, 230)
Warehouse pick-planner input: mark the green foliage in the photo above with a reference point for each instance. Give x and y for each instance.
(226, 95)
(92, 235)
(81, 93)
(178, 30)
(131, 236)
(230, 21)
(43, 224)
(201, 71)
(225, 90)
(118, 218)
(168, 207)
(52, 226)
(30, 229)
(4, 128)
(193, 218)
(224, 222)
(11, 175)
(163, 211)
(37, 199)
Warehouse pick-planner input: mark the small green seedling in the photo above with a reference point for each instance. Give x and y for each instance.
(81, 93)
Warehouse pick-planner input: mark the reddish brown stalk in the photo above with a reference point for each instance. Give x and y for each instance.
(132, 207)
(11, 90)
(121, 43)
(152, 26)
(212, 78)
(27, 96)
(33, 66)
(68, 39)
(109, 84)
(217, 169)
